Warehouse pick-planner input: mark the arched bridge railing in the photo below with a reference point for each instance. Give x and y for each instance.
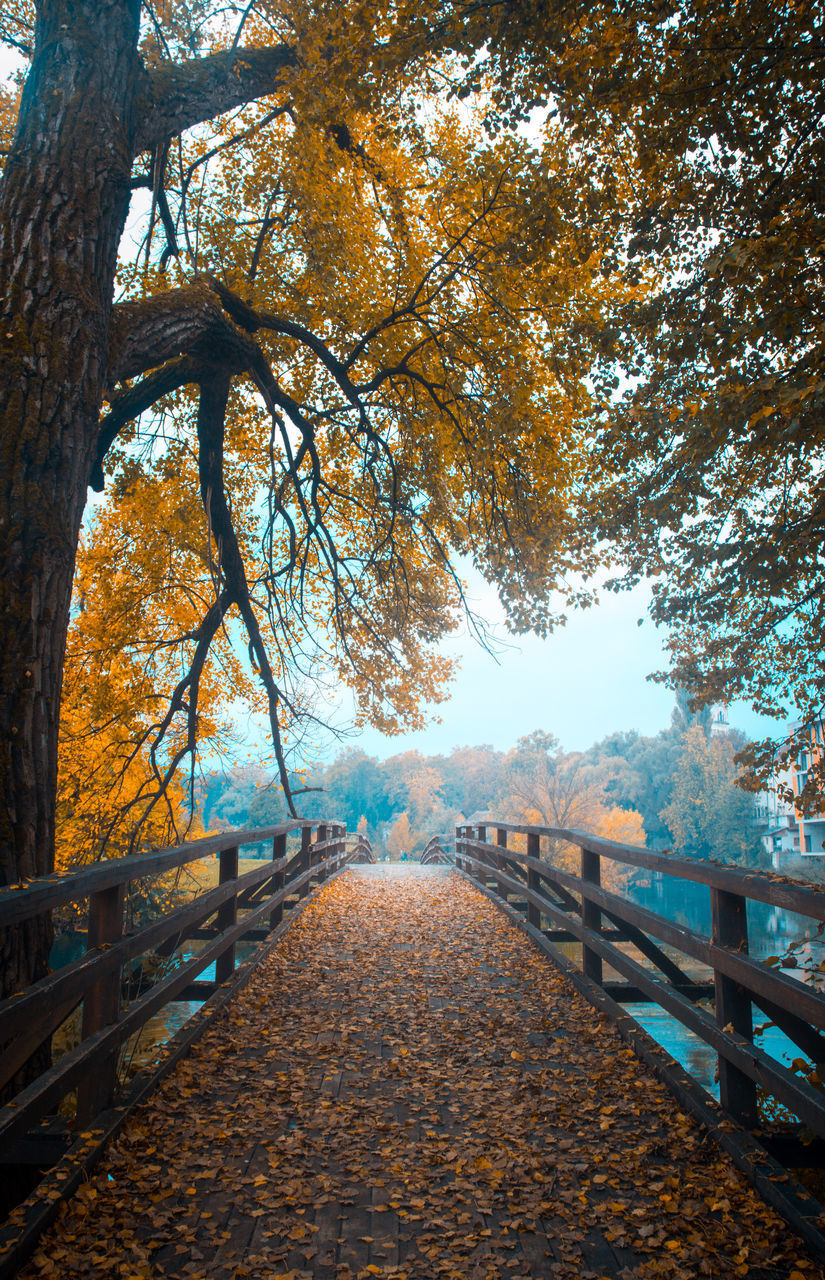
(517, 866)
(360, 848)
(437, 851)
(126, 977)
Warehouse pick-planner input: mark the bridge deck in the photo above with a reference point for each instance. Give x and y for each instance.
(408, 1089)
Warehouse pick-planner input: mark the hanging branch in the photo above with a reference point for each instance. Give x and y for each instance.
(204, 334)
(214, 393)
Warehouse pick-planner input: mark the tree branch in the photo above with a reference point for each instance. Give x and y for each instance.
(211, 416)
(126, 405)
(187, 321)
(180, 95)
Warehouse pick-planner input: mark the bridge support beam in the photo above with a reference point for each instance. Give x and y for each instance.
(501, 841)
(591, 914)
(277, 882)
(533, 880)
(305, 859)
(488, 882)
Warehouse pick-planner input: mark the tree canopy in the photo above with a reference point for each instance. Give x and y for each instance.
(675, 790)
(346, 338)
(714, 439)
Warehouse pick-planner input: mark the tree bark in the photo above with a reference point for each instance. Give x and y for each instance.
(88, 107)
(63, 205)
(176, 96)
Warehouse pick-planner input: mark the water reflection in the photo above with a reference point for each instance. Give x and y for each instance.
(693, 1054)
(770, 929)
(145, 1047)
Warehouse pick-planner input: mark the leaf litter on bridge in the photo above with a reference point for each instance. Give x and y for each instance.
(407, 1089)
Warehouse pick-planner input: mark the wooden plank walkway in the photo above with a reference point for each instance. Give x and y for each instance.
(408, 1089)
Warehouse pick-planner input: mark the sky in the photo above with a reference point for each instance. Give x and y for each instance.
(587, 680)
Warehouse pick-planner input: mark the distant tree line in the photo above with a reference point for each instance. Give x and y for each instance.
(676, 789)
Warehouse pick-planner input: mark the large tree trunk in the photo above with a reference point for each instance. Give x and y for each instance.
(88, 107)
(63, 205)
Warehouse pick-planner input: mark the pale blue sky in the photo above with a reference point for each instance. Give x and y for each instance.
(585, 681)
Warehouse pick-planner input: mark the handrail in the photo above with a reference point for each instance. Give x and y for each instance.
(578, 908)
(248, 905)
(762, 886)
(23, 901)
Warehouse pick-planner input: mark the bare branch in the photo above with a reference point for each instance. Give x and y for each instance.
(126, 405)
(211, 418)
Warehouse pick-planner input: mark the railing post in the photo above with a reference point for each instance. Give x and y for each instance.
(322, 854)
(227, 913)
(729, 919)
(276, 915)
(338, 834)
(501, 841)
(101, 1004)
(305, 860)
(458, 859)
(533, 879)
(591, 914)
(481, 837)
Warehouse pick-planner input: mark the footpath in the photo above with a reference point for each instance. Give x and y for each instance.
(407, 1089)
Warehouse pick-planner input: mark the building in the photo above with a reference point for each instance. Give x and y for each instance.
(778, 822)
(719, 720)
(784, 829)
(809, 753)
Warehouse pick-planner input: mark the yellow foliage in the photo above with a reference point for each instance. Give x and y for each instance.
(355, 345)
(400, 835)
(550, 788)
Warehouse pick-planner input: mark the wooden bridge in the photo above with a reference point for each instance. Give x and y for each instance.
(409, 1077)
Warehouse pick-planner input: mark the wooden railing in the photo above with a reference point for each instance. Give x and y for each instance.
(437, 851)
(119, 964)
(561, 906)
(360, 848)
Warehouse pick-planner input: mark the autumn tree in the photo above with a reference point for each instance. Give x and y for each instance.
(400, 835)
(545, 786)
(353, 786)
(470, 778)
(641, 769)
(709, 816)
(121, 740)
(354, 341)
(713, 444)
